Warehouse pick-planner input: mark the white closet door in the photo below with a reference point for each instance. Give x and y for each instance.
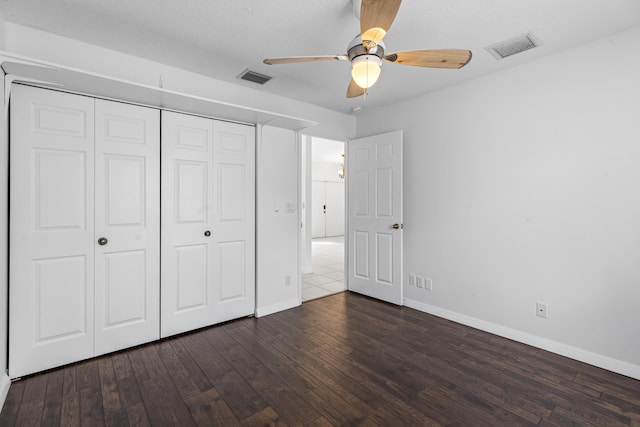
(51, 310)
(187, 220)
(335, 209)
(318, 211)
(234, 221)
(127, 215)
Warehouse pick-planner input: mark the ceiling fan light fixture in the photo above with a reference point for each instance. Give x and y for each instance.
(366, 70)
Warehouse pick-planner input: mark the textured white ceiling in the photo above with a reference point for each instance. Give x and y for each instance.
(221, 38)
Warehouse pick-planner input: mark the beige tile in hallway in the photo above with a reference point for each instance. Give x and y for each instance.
(327, 259)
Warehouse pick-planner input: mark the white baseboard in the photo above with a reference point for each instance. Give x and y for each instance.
(281, 306)
(594, 359)
(5, 383)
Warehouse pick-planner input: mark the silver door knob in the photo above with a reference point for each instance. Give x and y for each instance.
(207, 233)
(102, 241)
(395, 226)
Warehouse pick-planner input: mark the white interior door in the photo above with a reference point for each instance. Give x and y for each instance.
(208, 222)
(51, 311)
(233, 231)
(334, 200)
(127, 216)
(187, 223)
(318, 211)
(374, 176)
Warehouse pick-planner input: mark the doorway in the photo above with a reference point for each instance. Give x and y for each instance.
(323, 180)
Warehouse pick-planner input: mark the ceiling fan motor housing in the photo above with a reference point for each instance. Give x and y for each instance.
(356, 48)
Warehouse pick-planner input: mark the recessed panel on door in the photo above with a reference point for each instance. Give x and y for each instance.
(384, 258)
(233, 188)
(192, 277)
(61, 310)
(125, 190)
(191, 191)
(232, 273)
(360, 193)
(361, 254)
(60, 198)
(384, 151)
(126, 238)
(60, 120)
(124, 128)
(231, 141)
(125, 301)
(51, 267)
(191, 137)
(384, 193)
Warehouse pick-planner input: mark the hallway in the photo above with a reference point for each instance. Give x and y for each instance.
(328, 269)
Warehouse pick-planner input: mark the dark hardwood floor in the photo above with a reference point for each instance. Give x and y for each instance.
(340, 360)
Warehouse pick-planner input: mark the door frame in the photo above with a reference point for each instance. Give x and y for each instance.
(304, 195)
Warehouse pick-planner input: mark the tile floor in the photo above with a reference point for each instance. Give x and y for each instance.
(327, 259)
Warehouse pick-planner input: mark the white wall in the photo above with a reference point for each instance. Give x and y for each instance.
(278, 220)
(2, 31)
(326, 159)
(524, 186)
(73, 53)
(306, 208)
(4, 229)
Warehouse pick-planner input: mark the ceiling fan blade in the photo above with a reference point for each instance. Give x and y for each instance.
(441, 58)
(354, 91)
(376, 17)
(295, 59)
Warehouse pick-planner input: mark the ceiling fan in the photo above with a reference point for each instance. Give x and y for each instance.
(366, 51)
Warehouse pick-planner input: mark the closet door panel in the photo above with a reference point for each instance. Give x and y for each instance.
(233, 221)
(128, 216)
(192, 278)
(51, 236)
(335, 217)
(187, 219)
(232, 278)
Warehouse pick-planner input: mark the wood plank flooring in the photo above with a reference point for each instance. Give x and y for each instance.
(336, 361)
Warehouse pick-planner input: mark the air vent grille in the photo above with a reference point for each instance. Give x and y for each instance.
(252, 76)
(512, 46)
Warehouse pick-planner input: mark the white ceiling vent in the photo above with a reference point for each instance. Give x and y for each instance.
(512, 46)
(252, 76)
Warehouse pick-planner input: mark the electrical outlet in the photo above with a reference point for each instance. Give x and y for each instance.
(412, 279)
(287, 280)
(541, 310)
(428, 284)
(420, 282)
